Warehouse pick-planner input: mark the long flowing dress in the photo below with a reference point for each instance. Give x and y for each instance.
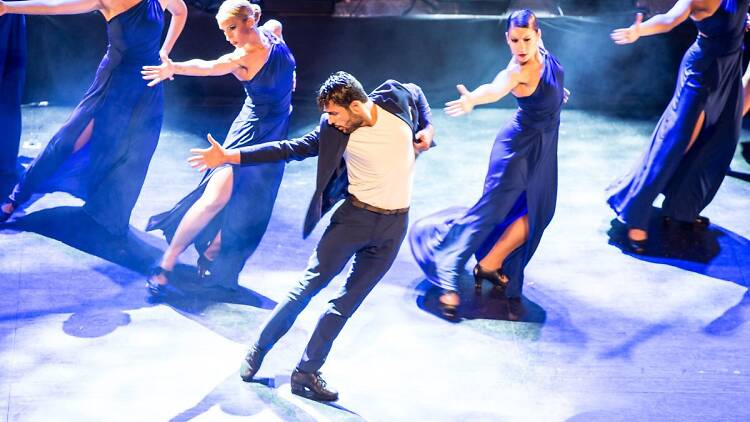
(12, 65)
(243, 221)
(521, 180)
(108, 172)
(709, 80)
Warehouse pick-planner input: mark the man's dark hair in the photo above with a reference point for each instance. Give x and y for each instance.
(523, 18)
(341, 88)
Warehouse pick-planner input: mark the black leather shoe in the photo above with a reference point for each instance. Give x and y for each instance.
(251, 364)
(310, 385)
(154, 288)
(496, 277)
(637, 246)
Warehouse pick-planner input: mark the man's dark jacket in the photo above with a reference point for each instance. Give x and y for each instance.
(407, 101)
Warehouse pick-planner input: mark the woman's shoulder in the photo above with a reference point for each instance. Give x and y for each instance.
(273, 30)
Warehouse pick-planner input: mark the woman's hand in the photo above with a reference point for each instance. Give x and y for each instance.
(157, 74)
(461, 106)
(630, 34)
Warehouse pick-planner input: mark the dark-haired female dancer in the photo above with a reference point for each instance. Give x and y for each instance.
(695, 139)
(103, 150)
(504, 227)
(12, 65)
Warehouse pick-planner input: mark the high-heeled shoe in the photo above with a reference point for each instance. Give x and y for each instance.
(449, 310)
(496, 277)
(204, 266)
(154, 288)
(637, 246)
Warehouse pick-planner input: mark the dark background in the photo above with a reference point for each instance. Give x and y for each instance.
(436, 53)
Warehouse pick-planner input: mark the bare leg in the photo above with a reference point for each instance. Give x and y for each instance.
(80, 142)
(213, 248)
(746, 91)
(209, 255)
(84, 137)
(696, 130)
(214, 198)
(512, 238)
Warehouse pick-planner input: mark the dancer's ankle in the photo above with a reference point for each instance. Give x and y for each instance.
(637, 234)
(8, 207)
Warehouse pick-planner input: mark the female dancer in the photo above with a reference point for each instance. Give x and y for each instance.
(227, 214)
(12, 64)
(103, 150)
(695, 139)
(504, 227)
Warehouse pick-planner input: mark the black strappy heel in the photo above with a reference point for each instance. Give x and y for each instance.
(496, 277)
(154, 288)
(449, 311)
(204, 267)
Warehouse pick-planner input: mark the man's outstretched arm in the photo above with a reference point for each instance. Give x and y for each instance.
(268, 152)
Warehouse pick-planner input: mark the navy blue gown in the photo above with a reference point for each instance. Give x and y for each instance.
(12, 73)
(108, 172)
(709, 80)
(243, 221)
(521, 180)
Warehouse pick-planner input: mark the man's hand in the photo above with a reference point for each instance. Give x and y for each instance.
(3, 8)
(423, 140)
(208, 158)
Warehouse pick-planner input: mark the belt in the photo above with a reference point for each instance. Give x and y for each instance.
(359, 204)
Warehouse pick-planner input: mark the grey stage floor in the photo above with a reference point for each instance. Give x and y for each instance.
(602, 336)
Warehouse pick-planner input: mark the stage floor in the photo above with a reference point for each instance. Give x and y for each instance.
(602, 335)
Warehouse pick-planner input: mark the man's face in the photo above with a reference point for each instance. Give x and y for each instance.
(345, 119)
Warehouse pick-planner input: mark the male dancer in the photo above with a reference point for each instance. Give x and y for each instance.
(366, 147)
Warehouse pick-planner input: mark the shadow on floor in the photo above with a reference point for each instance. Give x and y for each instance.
(237, 398)
(732, 319)
(96, 312)
(712, 251)
(490, 303)
(72, 226)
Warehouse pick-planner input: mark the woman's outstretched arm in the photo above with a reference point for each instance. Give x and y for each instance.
(50, 7)
(194, 67)
(658, 24)
(503, 83)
